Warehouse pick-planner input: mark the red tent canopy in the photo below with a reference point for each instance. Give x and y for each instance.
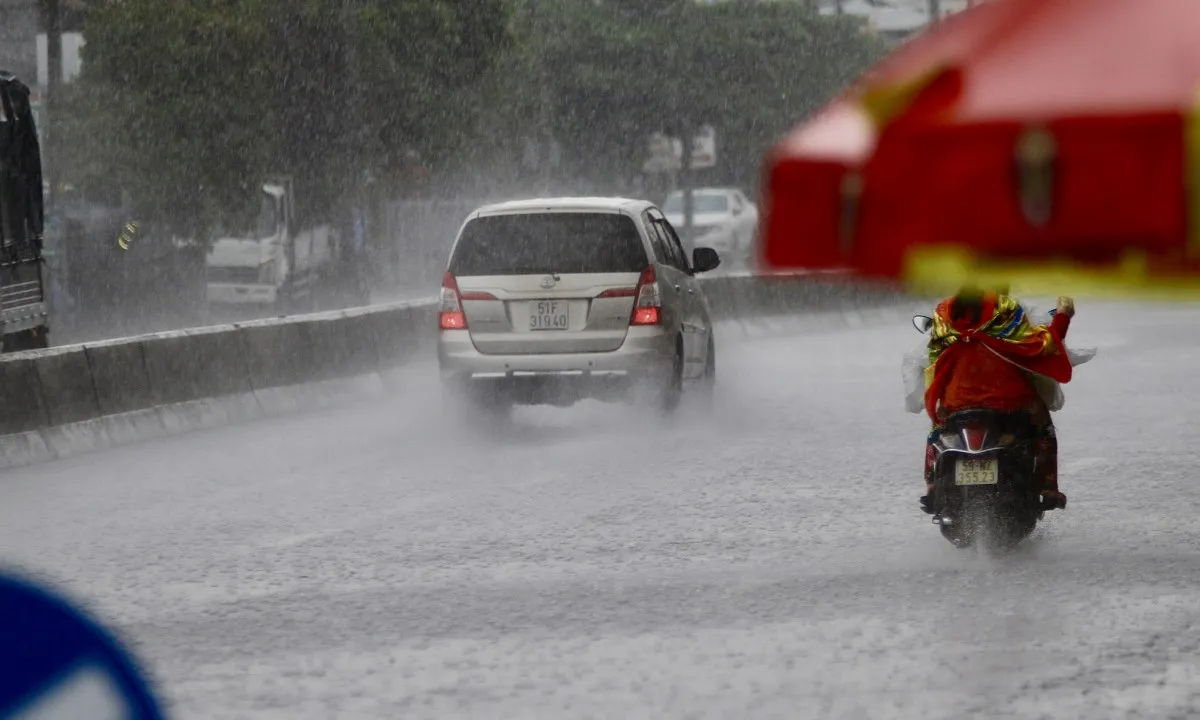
(807, 172)
(1074, 57)
(1059, 129)
(811, 174)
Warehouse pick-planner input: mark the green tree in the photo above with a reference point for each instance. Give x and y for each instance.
(189, 104)
(606, 79)
(161, 110)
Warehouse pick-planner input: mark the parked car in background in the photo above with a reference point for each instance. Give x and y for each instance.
(551, 301)
(722, 218)
(275, 266)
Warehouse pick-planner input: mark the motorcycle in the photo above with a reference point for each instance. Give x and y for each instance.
(983, 480)
(984, 489)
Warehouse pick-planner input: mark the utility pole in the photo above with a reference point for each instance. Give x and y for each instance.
(684, 124)
(356, 212)
(544, 142)
(355, 120)
(935, 11)
(53, 24)
(685, 183)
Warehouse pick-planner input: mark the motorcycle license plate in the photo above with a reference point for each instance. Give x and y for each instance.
(977, 471)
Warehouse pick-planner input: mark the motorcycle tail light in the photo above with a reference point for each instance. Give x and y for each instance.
(974, 437)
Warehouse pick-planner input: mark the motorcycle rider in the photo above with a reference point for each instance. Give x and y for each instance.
(983, 350)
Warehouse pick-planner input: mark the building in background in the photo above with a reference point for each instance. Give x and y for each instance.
(23, 50)
(893, 20)
(72, 42)
(20, 21)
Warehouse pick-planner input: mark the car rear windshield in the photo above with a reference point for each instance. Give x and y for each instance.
(531, 243)
(701, 203)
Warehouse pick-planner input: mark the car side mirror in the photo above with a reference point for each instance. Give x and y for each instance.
(922, 323)
(705, 259)
(737, 210)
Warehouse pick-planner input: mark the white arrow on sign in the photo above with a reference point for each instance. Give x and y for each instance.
(88, 692)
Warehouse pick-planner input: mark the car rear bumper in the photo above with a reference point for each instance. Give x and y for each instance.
(646, 353)
(239, 294)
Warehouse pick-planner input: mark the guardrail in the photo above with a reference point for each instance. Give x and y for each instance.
(64, 400)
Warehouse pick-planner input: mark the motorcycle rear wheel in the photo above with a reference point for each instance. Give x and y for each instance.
(983, 518)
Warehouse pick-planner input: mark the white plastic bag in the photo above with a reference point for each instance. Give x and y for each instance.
(1050, 390)
(913, 369)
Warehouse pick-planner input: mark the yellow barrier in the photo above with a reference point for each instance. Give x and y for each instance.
(942, 270)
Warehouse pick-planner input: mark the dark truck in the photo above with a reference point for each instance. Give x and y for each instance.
(23, 315)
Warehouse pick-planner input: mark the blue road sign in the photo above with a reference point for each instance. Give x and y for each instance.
(56, 663)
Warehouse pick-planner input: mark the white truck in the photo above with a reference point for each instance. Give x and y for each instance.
(275, 266)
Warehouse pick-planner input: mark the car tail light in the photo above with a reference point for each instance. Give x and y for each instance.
(475, 295)
(618, 293)
(647, 309)
(450, 314)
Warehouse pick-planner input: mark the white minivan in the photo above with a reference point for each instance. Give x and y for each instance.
(551, 301)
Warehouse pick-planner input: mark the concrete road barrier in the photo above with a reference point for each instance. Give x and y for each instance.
(275, 352)
(74, 398)
(401, 334)
(333, 352)
(359, 331)
(199, 363)
(737, 295)
(21, 407)
(64, 386)
(119, 376)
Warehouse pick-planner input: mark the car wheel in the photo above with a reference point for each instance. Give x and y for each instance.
(708, 383)
(670, 390)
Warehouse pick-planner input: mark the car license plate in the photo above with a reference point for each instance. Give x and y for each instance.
(548, 315)
(977, 471)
